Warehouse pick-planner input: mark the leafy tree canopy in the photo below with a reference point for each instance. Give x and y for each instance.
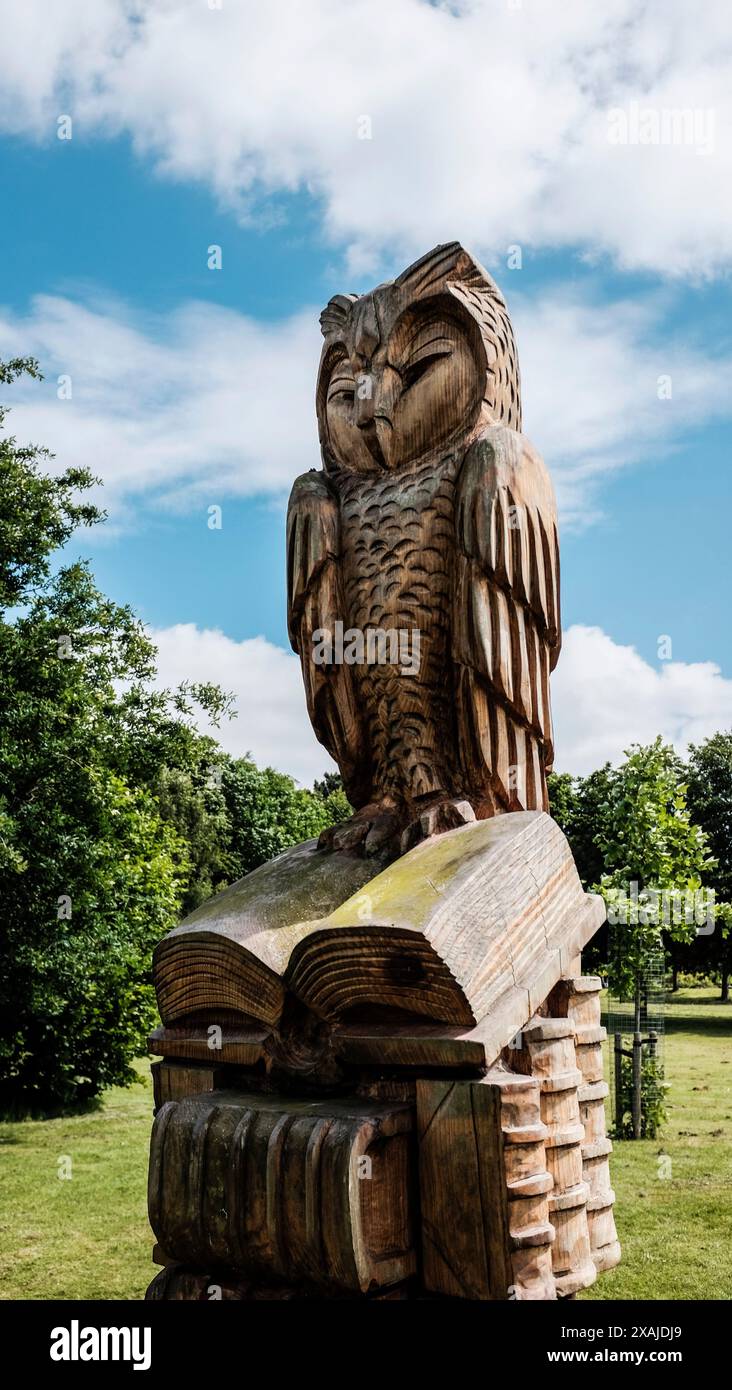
(116, 815)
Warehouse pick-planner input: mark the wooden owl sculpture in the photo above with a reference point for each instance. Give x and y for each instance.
(423, 560)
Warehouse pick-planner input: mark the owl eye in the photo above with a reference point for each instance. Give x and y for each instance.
(342, 388)
(416, 370)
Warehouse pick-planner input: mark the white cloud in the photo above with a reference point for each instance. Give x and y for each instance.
(489, 121)
(205, 403)
(272, 722)
(595, 383)
(201, 404)
(605, 697)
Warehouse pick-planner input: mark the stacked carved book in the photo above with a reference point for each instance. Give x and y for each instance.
(385, 1085)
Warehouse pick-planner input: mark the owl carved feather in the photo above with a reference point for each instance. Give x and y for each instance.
(506, 633)
(315, 602)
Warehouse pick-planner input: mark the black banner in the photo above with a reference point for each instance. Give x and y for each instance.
(62, 1338)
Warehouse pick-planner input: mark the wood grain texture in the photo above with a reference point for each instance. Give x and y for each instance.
(529, 1185)
(285, 1190)
(546, 1050)
(238, 1046)
(175, 1080)
(578, 997)
(484, 1189)
(432, 514)
(473, 927)
(463, 1202)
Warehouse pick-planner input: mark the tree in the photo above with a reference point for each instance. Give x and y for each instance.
(654, 859)
(92, 872)
(710, 803)
(268, 812)
(38, 513)
(327, 784)
(580, 805)
(189, 798)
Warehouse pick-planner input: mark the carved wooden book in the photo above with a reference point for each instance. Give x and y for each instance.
(296, 1190)
(441, 934)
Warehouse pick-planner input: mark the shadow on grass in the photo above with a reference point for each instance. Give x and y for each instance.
(686, 999)
(696, 1025)
(26, 1110)
(684, 1025)
(682, 1022)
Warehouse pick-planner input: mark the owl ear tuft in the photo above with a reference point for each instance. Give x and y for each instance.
(336, 313)
(453, 270)
(443, 267)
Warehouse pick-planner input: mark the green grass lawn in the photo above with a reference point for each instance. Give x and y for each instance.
(676, 1232)
(87, 1236)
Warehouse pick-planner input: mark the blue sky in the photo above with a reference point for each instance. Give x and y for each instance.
(193, 387)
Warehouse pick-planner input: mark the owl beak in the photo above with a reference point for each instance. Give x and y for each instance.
(366, 418)
(365, 407)
(373, 444)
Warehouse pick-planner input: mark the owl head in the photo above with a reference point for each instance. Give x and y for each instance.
(416, 365)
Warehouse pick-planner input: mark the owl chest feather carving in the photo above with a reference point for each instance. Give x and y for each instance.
(397, 542)
(428, 547)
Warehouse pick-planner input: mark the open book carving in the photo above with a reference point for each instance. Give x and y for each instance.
(442, 935)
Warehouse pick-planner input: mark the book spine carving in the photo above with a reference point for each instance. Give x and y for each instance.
(284, 1192)
(582, 996)
(548, 1052)
(528, 1185)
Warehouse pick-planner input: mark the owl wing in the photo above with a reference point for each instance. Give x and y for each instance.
(506, 622)
(314, 604)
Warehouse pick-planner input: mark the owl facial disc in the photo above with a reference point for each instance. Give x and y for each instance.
(408, 369)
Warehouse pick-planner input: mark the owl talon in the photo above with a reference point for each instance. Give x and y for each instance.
(435, 819)
(374, 828)
(350, 834)
(368, 831)
(325, 838)
(383, 829)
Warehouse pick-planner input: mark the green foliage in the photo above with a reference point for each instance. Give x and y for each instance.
(654, 1089)
(38, 513)
(647, 834)
(646, 838)
(694, 979)
(709, 797)
(327, 784)
(190, 800)
(92, 873)
(580, 806)
(268, 812)
(79, 933)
